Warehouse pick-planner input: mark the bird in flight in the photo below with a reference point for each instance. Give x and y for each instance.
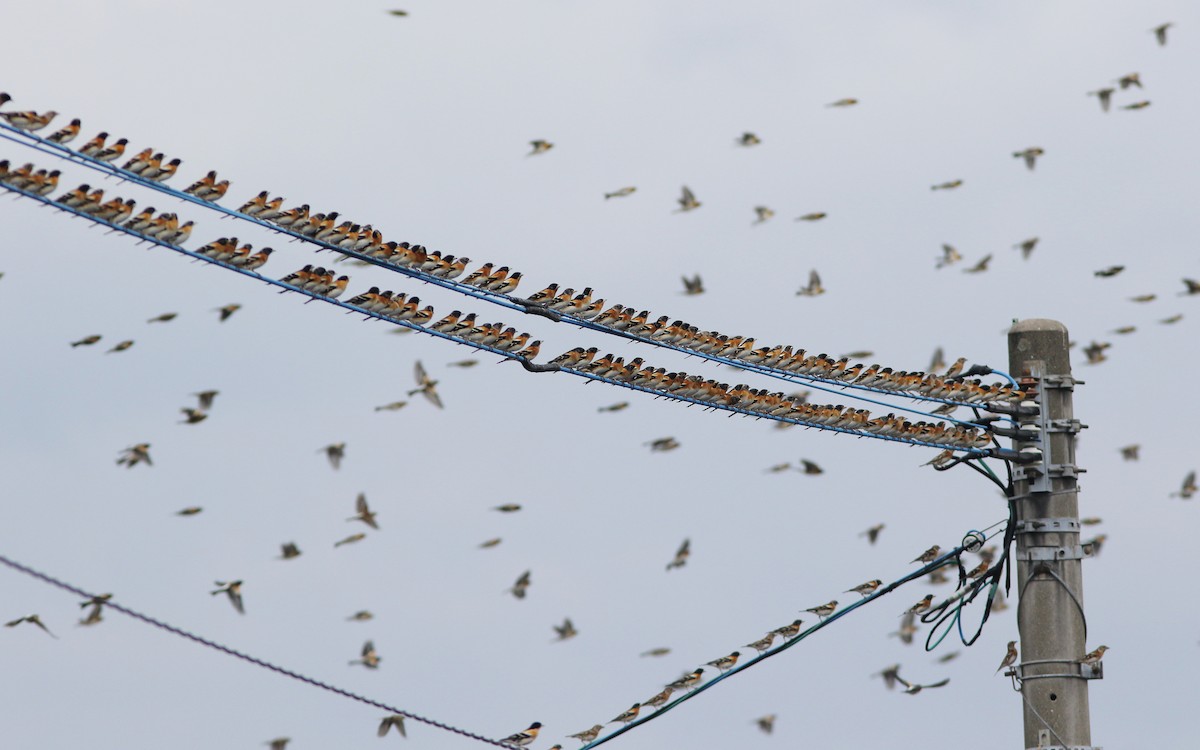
(981, 266)
(813, 288)
(950, 256)
(1026, 247)
(335, 452)
(370, 658)
(427, 386)
(86, 341)
(1160, 33)
(134, 455)
(1188, 489)
(363, 512)
(693, 285)
(951, 185)
(521, 586)
(289, 550)
(766, 723)
(232, 589)
(814, 216)
(872, 534)
(227, 311)
(681, 555)
(621, 192)
(749, 139)
(687, 201)
(1108, 273)
(540, 147)
(1105, 97)
(192, 416)
(1192, 287)
(205, 398)
(566, 630)
(849, 102)
(32, 620)
(395, 720)
(762, 213)
(1030, 155)
(912, 688)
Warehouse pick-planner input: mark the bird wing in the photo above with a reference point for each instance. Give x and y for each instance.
(523, 580)
(360, 504)
(1193, 286)
(419, 373)
(687, 195)
(434, 398)
(236, 598)
(368, 648)
(685, 548)
(901, 680)
(936, 684)
(814, 279)
(1189, 480)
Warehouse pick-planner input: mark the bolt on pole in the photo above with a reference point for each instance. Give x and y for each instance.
(1050, 616)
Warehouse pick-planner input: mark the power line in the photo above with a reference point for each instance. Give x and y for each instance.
(45, 578)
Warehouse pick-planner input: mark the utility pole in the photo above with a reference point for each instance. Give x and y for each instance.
(1050, 617)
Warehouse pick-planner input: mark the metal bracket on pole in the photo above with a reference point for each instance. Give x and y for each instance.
(1047, 525)
(1051, 554)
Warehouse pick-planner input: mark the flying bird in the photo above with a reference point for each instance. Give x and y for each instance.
(540, 147)
(621, 192)
(134, 455)
(192, 416)
(191, 510)
(232, 589)
(490, 543)
(872, 534)
(813, 288)
(811, 468)
(227, 311)
(363, 512)
(1160, 33)
(361, 615)
(889, 675)
(427, 386)
(981, 266)
(1026, 247)
(394, 406)
(1030, 155)
(619, 406)
(687, 201)
(395, 720)
(656, 652)
(1192, 286)
(1130, 79)
(814, 216)
(1137, 105)
(370, 658)
(350, 539)
(681, 555)
(86, 341)
(762, 213)
(205, 398)
(566, 630)
(749, 139)
(766, 723)
(913, 688)
(120, 347)
(951, 185)
(164, 318)
(843, 103)
(949, 257)
(519, 588)
(1130, 452)
(335, 452)
(693, 285)
(32, 620)
(662, 445)
(1105, 97)
(289, 551)
(1107, 273)
(1188, 489)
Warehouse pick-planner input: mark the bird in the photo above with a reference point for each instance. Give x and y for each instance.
(913, 688)
(400, 13)
(725, 662)
(588, 735)
(191, 510)
(620, 192)
(32, 620)
(762, 644)
(1192, 286)
(1188, 489)
(490, 543)
(814, 216)
(693, 285)
(928, 555)
(164, 318)
(233, 589)
(681, 555)
(687, 201)
(866, 589)
(749, 139)
(507, 508)
(395, 720)
(627, 715)
(921, 606)
(619, 406)
(1171, 319)
(289, 550)
(363, 512)
(370, 657)
(335, 452)
(951, 185)
(872, 534)
(86, 341)
(1160, 33)
(94, 616)
(762, 213)
(426, 385)
(823, 610)
(463, 363)
(519, 588)
(227, 311)
(134, 455)
(849, 102)
(687, 681)
(525, 736)
(393, 406)
(29, 121)
(950, 256)
(1010, 658)
(662, 445)
(120, 347)
(192, 416)
(1124, 330)
(1143, 298)
(1130, 452)
(1137, 105)
(889, 675)
(814, 287)
(981, 266)
(766, 723)
(810, 468)
(1107, 273)
(540, 147)
(205, 398)
(350, 539)
(279, 743)
(361, 615)
(1130, 79)
(790, 631)
(566, 630)
(1094, 657)
(656, 652)
(1026, 247)
(67, 134)
(1105, 97)
(1091, 548)
(659, 699)
(1030, 155)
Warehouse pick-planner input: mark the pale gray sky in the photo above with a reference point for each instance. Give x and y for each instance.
(420, 125)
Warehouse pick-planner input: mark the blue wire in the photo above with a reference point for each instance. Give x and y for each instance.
(61, 151)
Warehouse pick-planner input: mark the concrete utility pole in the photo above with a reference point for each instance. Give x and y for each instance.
(1050, 618)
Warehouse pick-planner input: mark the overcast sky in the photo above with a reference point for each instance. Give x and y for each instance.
(420, 125)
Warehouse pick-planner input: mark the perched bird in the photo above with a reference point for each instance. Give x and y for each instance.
(191, 510)
(872, 534)
(749, 139)
(627, 715)
(1030, 155)
(810, 468)
(725, 662)
(687, 681)
(1094, 657)
(687, 201)
(227, 311)
(164, 318)
(662, 445)
(395, 720)
(921, 606)
(32, 620)
(981, 266)
(67, 134)
(814, 287)
(814, 216)
(350, 539)
(681, 555)
(134, 455)
(1188, 489)
(566, 630)
(659, 699)
(205, 398)
(588, 735)
(335, 452)
(1107, 273)
(762, 644)
(361, 615)
(1010, 658)
(120, 347)
(86, 341)
(824, 610)
(290, 550)
(866, 589)
(394, 406)
(693, 285)
(620, 193)
(619, 406)
(1130, 452)
(363, 512)
(950, 256)
(540, 147)
(762, 213)
(766, 723)
(427, 386)
(1160, 33)
(787, 632)
(1105, 97)
(928, 555)
(889, 675)
(519, 588)
(233, 589)
(1026, 247)
(524, 737)
(913, 688)
(370, 658)
(192, 416)
(951, 185)
(656, 652)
